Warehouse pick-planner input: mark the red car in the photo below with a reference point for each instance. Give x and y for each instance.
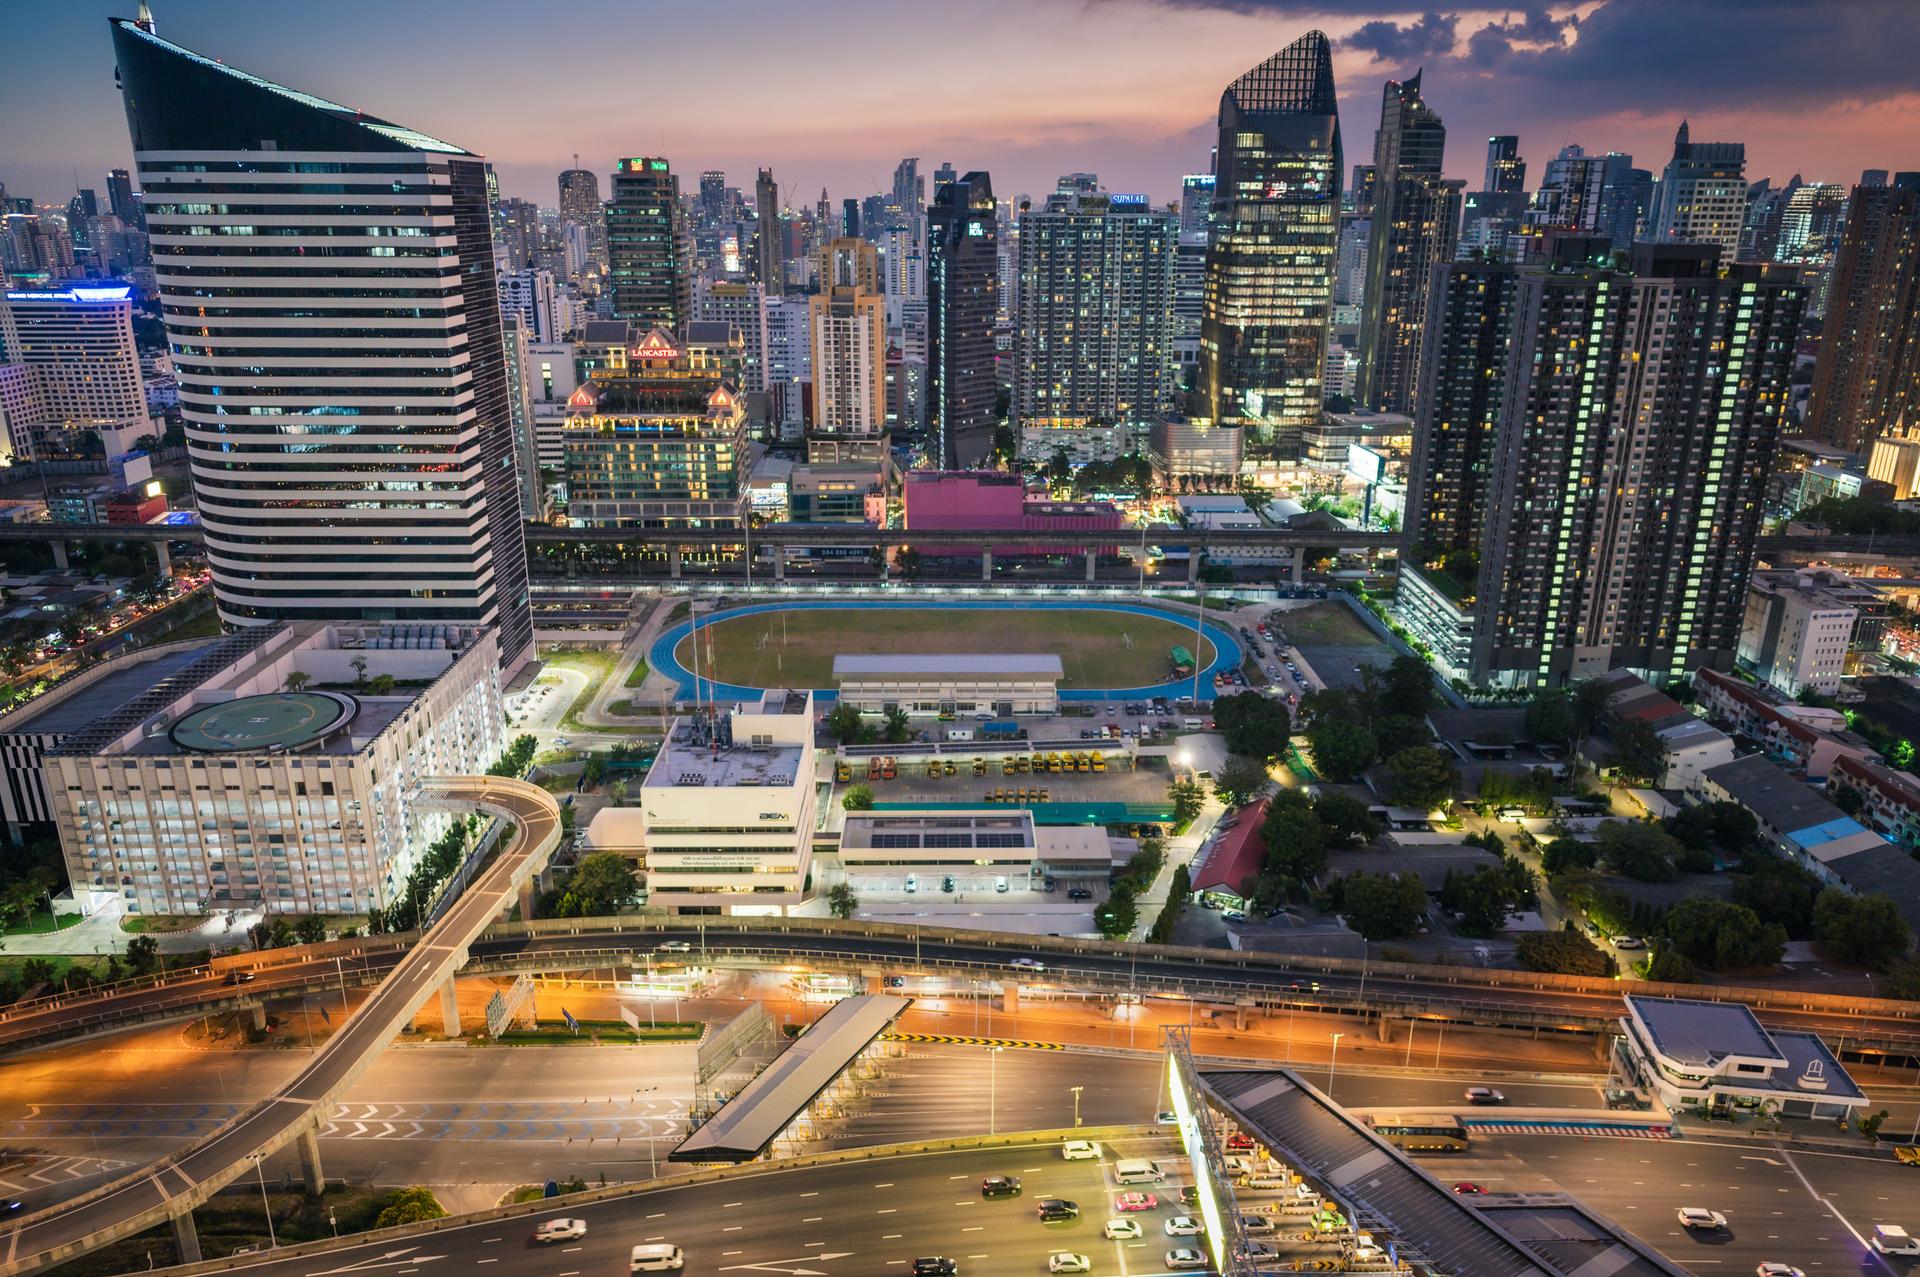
(1135, 1201)
(1467, 1188)
(1238, 1143)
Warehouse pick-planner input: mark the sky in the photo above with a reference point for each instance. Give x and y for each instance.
(833, 92)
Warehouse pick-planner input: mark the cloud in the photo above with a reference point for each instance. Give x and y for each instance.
(1431, 35)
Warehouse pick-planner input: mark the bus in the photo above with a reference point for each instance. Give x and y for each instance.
(1426, 1133)
(1182, 662)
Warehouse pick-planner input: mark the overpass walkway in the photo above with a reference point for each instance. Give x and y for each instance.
(170, 1189)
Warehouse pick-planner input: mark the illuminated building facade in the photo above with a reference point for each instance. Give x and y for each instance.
(963, 290)
(1866, 381)
(649, 249)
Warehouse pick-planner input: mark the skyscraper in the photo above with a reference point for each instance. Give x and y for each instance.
(517, 233)
(1866, 379)
(1506, 171)
(1269, 290)
(1416, 218)
(75, 343)
(649, 251)
(1702, 195)
(909, 189)
(381, 484)
(848, 321)
(713, 194)
(1571, 192)
(1096, 292)
(769, 236)
(580, 206)
(1614, 493)
(963, 293)
(1625, 201)
(120, 200)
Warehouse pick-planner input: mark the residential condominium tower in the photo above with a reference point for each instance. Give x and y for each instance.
(1702, 195)
(963, 289)
(649, 249)
(1270, 261)
(848, 322)
(326, 278)
(1866, 379)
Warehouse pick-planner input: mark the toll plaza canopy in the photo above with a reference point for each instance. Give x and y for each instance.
(748, 1124)
(1388, 1192)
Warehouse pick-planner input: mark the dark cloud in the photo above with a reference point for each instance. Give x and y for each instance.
(1431, 35)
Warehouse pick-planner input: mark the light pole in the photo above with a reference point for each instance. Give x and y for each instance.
(993, 1086)
(1076, 1104)
(1333, 1063)
(341, 972)
(272, 1242)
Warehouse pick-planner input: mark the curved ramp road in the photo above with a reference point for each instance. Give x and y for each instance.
(174, 1186)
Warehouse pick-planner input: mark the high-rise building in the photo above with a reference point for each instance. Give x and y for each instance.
(1416, 217)
(1866, 378)
(848, 320)
(649, 251)
(516, 233)
(1625, 202)
(963, 291)
(1702, 195)
(381, 485)
(120, 198)
(1095, 299)
(743, 306)
(1811, 221)
(76, 342)
(713, 194)
(769, 235)
(1196, 203)
(528, 295)
(909, 189)
(1276, 206)
(789, 364)
(580, 206)
(1604, 514)
(1506, 171)
(1570, 193)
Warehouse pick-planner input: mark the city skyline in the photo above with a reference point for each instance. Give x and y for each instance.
(1819, 93)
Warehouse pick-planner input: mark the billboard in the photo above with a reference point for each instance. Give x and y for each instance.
(1364, 464)
(1190, 1117)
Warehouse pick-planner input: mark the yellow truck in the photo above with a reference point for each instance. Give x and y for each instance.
(842, 772)
(1099, 762)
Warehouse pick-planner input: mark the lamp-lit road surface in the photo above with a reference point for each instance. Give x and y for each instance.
(168, 1187)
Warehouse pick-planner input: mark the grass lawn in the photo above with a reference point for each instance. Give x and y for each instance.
(135, 924)
(234, 1219)
(763, 650)
(597, 664)
(1326, 624)
(205, 625)
(637, 675)
(556, 1032)
(39, 923)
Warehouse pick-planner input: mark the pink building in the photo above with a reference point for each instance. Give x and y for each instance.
(993, 500)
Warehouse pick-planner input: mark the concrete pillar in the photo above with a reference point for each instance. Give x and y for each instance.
(60, 555)
(310, 1162)
(780, 563)
(1193, 565)
(450, 1009)
(526, 899)
(257, 1013)
(1299, 564)
(166, 560)
(185, 1239)
(986, 565)
(1092, 558)
(1010, 999)
(1388, 1026)
(876, 983)
(1240, 1017)
(673, 561)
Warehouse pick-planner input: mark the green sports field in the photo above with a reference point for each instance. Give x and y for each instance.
(796, 649)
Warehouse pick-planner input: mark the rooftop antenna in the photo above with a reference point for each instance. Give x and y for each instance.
(144, 19)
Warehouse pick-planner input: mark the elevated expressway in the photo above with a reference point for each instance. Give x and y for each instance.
(168, 1190)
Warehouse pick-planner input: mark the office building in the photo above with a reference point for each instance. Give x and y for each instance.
(1269, 291)
(1798, 631)
(516, 238)
(1196, 203)
(580, 207)
(528, 296)
(769, 238)
(848, 320)
(649, 251)
(657, 438)
(1616, 488)
(789, 365)
(1812, 218)
(1506, 172)
(122, 202)
(386, 491)
(742, 306)
(1895, 461)
(1702, 195)
(992, 685)
(1571, 193)
(1416, 216)
(76, 343)
(963, 291)
(1625, 201)
(193, 782)
(909, 198)
(1716, 1058)
(1091, 336)
(1866, 378)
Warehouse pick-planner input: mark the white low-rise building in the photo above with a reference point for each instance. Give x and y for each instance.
(1716, 1056)
(981, 685)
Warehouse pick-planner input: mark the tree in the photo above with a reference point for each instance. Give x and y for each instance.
(1721, 826)
(1406, 687)
(1550, 717)
(1637, 850)
(857, 798)
(311, 929)
(1422, 778)
(143, 955)
(414, 1205)
(1382, 907)
(1637, 754)
(359, 664)
(909, 561)
(841, 902)
(1116, 917)
(297, 680)
(380, 685)
(1482, 898)
(1867, 931)
(1342, 748)
(1177, 893)
(600, 885)
(1563, 854)
(894, 725)
(844, 725)
(1778, 891)
(1296, 842)
(1187, 798)
(1563, 953)
(1345, 818)
(1240, 781)
(1254, 725)
(1591, 705)
(36, 971)
(1669, 966)
(1723, 936)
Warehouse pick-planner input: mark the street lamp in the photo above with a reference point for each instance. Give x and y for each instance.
(1076, 1103)
(993, 1086)
(272, 1242)
(1333, 1063)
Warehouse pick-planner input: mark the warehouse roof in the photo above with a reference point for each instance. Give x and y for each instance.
(961, 664)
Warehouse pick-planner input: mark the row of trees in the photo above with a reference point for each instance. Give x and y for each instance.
(848, 726)
(1118, 915)
(517, 759)
(600, 885)
(1382, 721)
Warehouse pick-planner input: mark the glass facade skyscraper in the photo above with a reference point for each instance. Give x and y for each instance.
(649, 251)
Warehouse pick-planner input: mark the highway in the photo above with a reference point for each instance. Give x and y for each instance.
(177, 1183)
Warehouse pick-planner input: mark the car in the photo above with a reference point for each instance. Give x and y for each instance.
(913, 883)
(1190, 1195)
(1908, 1153)
(1301, 986)
(935, 1266)
(1028, 964)
(1891, 1239)
(1054, 1209)
(1079, 893)
(1167, 1117)
(1065, 1261)
(1080, 1151)
(1000, 1186)
(1484, 1095)
(1184, 1226)
(1256, 1224)
(560, 1230)
(1233, 915)
(562, 741)
(674, 946)
(1259, 1252)
(1699, 1217)
(241, 977)
(1184, 1257)
(1467, 1188)
(1777, 1270)
(1135, 1201)
(1118, 1230)
(1000, 884)
(1629, 942)
(946, 882)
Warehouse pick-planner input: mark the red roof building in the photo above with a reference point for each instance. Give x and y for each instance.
(1238, 854)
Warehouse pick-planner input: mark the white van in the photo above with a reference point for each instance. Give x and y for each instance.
(656, 1257)
(1192, 724)
(1137, 1170)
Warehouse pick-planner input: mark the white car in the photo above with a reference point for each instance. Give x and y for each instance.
(1118, 1230)
(674, 946)
(1777, 1270)
(1256, 1224)
(1028, 964)
(1080, 1151)
(1184, 1226)
(1700, 1217)
(1184, 1257)
(1484, 1095)
(560, 1230)
(1065, 1261)
(1891, 1239)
